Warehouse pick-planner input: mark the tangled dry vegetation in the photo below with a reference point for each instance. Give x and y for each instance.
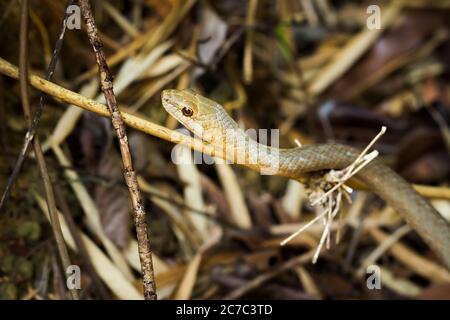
(311, 68)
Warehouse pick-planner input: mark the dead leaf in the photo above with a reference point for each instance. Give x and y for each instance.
(112, 199)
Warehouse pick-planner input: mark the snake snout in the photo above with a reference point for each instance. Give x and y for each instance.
(168, 100)
(166, 95)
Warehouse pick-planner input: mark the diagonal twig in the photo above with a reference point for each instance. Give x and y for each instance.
(37, 115)
(145, 253)
(23, 62)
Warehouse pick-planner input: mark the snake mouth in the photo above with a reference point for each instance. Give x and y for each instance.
(170, 107)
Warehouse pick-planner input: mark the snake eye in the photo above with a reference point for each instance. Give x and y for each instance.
(187, 112)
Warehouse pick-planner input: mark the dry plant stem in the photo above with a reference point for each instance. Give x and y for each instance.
(23, 58)
(130, 119)
(36, 116)
(248, 54)
(2, 115)
(259, 280)
(145, 253)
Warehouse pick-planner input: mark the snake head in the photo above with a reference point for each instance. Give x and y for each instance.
(200, 115)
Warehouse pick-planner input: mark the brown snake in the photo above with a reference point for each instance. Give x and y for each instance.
(208, 120)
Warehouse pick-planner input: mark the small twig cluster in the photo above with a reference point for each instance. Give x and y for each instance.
(327, 191)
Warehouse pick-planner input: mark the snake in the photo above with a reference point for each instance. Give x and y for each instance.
(208, 120)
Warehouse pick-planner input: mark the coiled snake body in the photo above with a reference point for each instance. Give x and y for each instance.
(208, 120)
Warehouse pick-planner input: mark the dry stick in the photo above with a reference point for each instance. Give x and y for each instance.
(23, 60)
(248, 50)
(37, 115)
(2, 116)
(145, 253)
(259, 280)
(134, 121)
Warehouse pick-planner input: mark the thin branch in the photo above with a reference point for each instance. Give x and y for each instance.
(145, 253)
(23, 60)
(37, 115)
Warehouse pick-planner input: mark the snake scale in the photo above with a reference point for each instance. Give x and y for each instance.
(208, 120)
